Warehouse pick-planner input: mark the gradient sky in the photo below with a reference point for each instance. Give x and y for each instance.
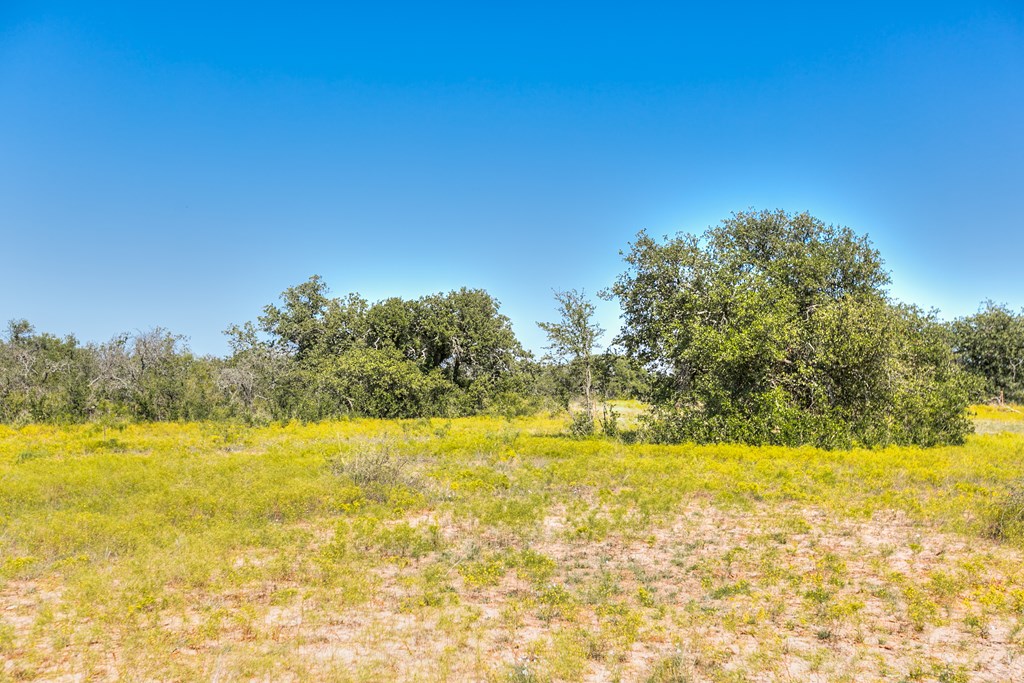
(179, 165)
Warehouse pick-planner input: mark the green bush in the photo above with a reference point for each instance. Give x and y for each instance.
(581, 424)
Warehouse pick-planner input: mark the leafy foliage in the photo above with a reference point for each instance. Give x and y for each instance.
(154, 376)
(440, 354)
(148, 375)
(573, 339)
(581, 424)
(776, 328)
(990, 343)
(311, 357)
(377, 382)
(770, 328)
(42, 377)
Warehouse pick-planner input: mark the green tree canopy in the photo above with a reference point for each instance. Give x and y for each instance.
(442, 353)
(990, 343)
(573, 340)
(43, 377)
(777, 328)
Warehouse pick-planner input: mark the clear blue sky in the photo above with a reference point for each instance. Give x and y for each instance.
(181, 164)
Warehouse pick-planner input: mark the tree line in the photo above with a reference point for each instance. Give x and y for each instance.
(310, 356)
(770, 328)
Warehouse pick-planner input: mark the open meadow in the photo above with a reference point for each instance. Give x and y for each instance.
(500, 550)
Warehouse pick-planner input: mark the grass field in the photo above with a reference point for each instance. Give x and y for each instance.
(490, 549)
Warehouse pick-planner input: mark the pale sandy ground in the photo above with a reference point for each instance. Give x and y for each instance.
(766, 594)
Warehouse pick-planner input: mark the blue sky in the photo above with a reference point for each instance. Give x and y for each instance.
(179, 165)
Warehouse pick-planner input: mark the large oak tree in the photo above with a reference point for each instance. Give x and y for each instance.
(777, 328)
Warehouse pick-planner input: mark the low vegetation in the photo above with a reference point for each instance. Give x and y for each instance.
(487, 548)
